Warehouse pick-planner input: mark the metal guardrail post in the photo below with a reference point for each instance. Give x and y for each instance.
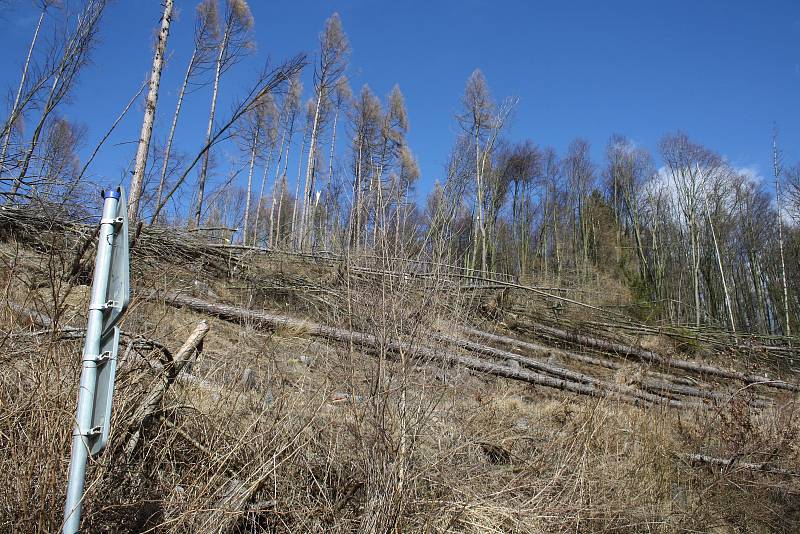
(99, 356)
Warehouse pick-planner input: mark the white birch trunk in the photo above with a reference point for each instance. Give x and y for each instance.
(282, 190)
(261, 191)
(309, 185)
(201, 182)
(249, 189)
(149, 115)
(171, 136)
(728, 306)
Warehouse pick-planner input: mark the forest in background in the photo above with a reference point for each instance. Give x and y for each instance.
(327, 168)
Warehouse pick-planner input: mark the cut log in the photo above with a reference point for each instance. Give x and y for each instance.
(658, 383)
(552, 351)
(271, 320)
(733, 463)
(152, 402)
(649, 356)
(659, 386)
(541, 349)
(561, 372)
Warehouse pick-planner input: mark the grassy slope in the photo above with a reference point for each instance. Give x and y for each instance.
(332, 439)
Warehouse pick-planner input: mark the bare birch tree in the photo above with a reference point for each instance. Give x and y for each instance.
(311, 113)
(143, 150)
(267, 82)
(205, 35)
(291, 106)
(483, 120)
(233, 44)
(254, 136)
(271, 125)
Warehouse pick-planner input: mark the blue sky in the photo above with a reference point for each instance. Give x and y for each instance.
(721, 71)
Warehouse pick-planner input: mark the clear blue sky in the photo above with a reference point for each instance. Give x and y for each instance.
(721, 71)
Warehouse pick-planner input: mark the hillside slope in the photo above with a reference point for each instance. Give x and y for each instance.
(377, 394)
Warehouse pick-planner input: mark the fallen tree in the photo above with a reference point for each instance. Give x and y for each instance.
(152, 403)
(368, 341)
(658, 383)
(623, 350)
(734, 463)
(561, 372)
(552, 351)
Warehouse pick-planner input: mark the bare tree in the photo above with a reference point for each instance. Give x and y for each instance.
(254, 135)
(71, 55)
(365, 123)
(291, 109)
(792, 207)
(520, 166)
(343, 95)
(579, 173)
(629, 170)
(16, 108)
(776, 167)
(718, 255)
(233, 44)
(311, 113)
(404, 181)
(205, 35)
(267, 82)
(483, 120)
(270, 129)
(143, 149)
(333, 51)
(690, 168)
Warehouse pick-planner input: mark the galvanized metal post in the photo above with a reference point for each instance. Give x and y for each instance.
(91, 357)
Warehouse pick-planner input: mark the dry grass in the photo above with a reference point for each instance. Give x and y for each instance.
(330, 438)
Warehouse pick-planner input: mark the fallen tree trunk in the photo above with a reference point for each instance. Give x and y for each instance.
(150, 405)
(541, 349)
(271, 320)
(552, 351)
(658, 383)
(649, 356)
(659, 386)
(566, 374)
(733, 463)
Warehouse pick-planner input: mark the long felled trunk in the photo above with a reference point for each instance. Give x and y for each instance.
(649, 356)
(370, 343)
(149, 115)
